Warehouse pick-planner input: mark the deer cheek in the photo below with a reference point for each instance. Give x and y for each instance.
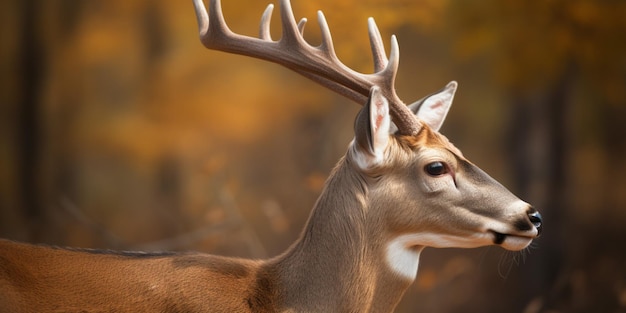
(438, 184)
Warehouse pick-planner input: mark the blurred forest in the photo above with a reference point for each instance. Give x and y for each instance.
(118, 129)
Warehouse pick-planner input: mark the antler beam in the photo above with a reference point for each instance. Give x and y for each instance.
(317, 63)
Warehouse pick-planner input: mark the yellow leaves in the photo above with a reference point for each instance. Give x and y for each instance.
(533, 42)
(130, 137)
(348, 22)
(474, 43)
(389, 14)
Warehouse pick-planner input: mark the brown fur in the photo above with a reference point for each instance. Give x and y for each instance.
(46, 279)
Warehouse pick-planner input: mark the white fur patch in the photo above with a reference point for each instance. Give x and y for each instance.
(403, 252)
(403, 258)
(364, 160)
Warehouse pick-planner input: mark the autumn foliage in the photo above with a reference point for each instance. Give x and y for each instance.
(118, 129)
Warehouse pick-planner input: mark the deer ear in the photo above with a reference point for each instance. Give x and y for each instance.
(434, 108)
(371, 130)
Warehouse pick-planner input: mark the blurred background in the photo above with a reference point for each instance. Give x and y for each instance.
(119, 130)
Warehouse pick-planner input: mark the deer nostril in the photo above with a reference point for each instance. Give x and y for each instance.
(535, 219)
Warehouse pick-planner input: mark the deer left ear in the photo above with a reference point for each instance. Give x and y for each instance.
(371, 130)
(434, 108)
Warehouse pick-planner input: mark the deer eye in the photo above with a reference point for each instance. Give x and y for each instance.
(436, 168)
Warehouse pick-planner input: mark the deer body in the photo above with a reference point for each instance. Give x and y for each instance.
(401, 187)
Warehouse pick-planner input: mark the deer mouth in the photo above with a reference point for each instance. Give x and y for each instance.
(511, 242)
(498, 238)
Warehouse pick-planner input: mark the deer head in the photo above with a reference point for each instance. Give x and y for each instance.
(426, 192)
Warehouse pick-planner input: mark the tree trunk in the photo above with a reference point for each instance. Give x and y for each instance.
(29, 133)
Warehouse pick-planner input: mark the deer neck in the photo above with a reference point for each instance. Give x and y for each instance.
(338, 263)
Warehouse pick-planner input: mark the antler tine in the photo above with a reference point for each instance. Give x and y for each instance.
(264, 31)
(327, 40)
(217, 23)
(301, 25)
(202, 17)
(290, 27)
(404, 118)
(376, 43)
(317, 63)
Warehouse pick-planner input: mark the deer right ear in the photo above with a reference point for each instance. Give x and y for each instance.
(371, 130)
(434, 108)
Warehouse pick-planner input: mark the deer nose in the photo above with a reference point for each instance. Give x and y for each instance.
(535, 219)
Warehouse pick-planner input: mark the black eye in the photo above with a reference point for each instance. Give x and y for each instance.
(436, 168)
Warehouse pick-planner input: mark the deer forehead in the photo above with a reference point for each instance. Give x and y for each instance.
(428, 139)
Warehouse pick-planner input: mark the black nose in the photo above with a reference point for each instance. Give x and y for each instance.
(535, 219)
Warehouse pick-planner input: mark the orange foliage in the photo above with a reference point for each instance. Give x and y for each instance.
(152, 135)
(534, 42)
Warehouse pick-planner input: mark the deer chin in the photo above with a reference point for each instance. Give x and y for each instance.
(511, 242)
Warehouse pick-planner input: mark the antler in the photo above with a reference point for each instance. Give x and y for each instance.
(317, 63)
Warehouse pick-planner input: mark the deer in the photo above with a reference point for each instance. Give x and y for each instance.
(401, 186)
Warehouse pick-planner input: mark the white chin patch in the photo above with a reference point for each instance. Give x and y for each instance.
(403, 252)
(402, 258)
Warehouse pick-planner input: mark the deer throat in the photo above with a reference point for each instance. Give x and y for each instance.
(403, 257)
